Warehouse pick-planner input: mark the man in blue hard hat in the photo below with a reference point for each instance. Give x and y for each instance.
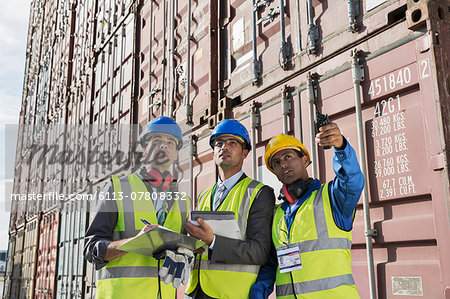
(230, 266)
(149, 194)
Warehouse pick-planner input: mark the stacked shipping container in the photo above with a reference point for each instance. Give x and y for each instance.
(29, 257)
(71, 263)
(378, 68)
(47, 255)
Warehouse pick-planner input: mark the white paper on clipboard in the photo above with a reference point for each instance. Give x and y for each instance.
(223, 223)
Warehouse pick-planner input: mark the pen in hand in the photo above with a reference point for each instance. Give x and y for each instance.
(148, 226)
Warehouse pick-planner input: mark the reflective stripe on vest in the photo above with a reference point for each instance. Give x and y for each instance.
(136, 271)
(227, 280)
(206, 265)
(315, 285)
(331, 246)
(133, 273)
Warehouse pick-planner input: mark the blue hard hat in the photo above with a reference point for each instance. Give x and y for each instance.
(230, 127)
(162, 124)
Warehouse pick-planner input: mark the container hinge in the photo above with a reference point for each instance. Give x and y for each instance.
(353, 12)
(189, 114)
(286, 100)
(313, 81)
(256, 72)
(285, 52)
(270, 16)
(194, 145)
(372, 233)
(357, 68)
(154, 91)
(261, 4)
(313, 34)
(254, 115)
(115, 19)
(155, 104)
(438, 162)
(359, 73)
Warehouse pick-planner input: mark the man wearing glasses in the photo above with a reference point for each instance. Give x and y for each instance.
(230, 266)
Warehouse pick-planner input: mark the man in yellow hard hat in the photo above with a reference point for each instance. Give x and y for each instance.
(311, 230)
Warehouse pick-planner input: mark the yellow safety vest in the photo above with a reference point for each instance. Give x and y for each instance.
(324, 252)
(134, 275)
(227, 280)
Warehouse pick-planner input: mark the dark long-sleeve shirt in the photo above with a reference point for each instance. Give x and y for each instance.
(100, 231)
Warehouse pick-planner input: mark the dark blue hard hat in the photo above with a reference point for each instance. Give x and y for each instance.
(162, 124)
(230, 127)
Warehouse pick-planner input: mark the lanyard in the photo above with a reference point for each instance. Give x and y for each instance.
(282, 230)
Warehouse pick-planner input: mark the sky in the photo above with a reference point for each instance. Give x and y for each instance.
(13, 37)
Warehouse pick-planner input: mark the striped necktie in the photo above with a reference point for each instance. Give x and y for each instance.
(218, 196)
(162, 212)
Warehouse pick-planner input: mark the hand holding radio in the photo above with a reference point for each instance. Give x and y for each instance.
(321, 121)
(329, 135)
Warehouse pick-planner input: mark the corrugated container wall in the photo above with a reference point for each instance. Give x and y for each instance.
(23, 188)
(62, 58)
(164, 55)
(71, 262)
(33, 46)
(7, 286)
(113, 88)
(17, 276)
(269, 64)
(47, 256)
(53, 175)
(29, 258)
(79, 97)
(90, 275)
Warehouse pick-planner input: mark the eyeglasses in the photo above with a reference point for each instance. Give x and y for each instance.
(230, 142)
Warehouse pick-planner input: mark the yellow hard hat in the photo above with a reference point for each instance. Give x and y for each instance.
(281, 142)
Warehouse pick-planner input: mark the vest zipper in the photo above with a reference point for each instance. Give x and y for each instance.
(292, 283)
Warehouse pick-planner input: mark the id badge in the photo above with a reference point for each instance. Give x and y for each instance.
(289, 258)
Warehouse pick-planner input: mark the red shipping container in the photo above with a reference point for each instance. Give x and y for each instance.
(47, 255)
(163, 60)
(112, 104)
(83, 45)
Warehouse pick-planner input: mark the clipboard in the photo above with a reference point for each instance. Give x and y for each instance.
(223, 223)
(159, 239)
